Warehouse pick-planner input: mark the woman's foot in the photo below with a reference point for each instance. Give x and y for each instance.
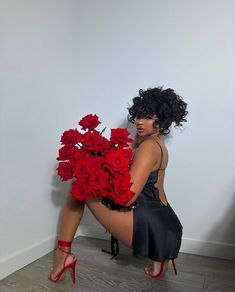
(158, 269)
(62, 259)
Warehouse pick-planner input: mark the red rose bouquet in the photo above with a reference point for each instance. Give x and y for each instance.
(98, 166)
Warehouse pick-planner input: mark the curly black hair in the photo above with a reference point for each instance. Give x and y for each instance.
(164, 103)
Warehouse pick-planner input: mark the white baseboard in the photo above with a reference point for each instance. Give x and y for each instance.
(208, 248)
(93, 231)
(189, 245)
(18, 260)
(14, 262)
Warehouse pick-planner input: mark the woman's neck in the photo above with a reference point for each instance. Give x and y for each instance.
(138, 139)
(157, 135)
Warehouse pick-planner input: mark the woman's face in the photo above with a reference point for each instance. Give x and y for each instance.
(145, 126)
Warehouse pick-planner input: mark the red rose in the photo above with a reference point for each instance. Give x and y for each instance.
(122, 193)
(120, 136)
(89, 122)
(79, 191)
(98, 161)
(102, 187)
(99, 166)
(71, 137)
(84, 169)
(92, 141)
(65, 170)
(107, 146)
(117, 162)
(67, 152)
(80, 154)
(128, 153)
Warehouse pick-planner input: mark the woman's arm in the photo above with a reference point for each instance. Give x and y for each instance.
(146, 157)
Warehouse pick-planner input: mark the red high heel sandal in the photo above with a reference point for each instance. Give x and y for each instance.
(71, 265)
(161, 273)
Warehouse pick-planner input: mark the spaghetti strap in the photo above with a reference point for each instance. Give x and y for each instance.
(161, 155)
(157, 231)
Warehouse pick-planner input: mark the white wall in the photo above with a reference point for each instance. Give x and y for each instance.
(63, 59)
(39, 99)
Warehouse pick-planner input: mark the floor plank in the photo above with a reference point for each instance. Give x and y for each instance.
(96, 272)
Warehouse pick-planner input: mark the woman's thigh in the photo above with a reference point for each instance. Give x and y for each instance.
(117, 223)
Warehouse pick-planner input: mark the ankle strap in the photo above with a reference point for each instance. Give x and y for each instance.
(64, 243)
(64, 251)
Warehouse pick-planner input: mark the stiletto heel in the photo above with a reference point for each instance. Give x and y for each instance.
(71, 265)
(74, 272)
(174, 266)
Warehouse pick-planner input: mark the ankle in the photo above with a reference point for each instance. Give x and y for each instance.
(64, 246)
(63, 250)
(63, 243)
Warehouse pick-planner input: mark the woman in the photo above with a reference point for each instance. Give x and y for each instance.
(150, 227)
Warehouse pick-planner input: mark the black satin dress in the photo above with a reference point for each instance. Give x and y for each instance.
(157, 230)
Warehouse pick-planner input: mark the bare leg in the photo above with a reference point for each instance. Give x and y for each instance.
(71, 216)
(120, 225)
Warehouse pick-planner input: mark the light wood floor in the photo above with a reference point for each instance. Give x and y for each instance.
(96, 272)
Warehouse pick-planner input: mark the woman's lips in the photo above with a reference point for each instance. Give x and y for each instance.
(140, 130)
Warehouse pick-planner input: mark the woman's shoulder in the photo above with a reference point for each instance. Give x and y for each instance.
(146, 148)
(154, 140)
(148, 143)
(154, 145)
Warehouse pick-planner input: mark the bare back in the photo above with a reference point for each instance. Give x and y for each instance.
(160, 167)
(159, 184)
